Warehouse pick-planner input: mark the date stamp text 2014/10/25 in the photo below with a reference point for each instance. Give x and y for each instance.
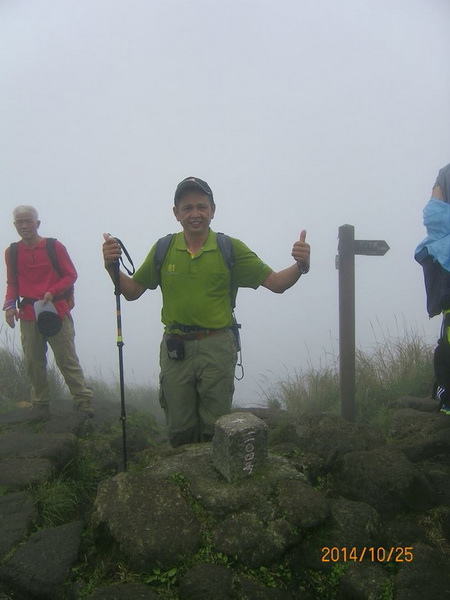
(369, 553)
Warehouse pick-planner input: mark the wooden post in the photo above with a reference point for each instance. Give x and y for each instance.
(347, 249)
(346, 266)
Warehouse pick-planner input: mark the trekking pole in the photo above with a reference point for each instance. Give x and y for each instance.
(120, 344)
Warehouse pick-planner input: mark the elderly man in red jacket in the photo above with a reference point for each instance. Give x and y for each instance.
(34, 278)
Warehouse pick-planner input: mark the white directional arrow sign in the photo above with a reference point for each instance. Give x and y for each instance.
(371, 247)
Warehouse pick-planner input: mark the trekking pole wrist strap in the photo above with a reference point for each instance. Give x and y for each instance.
(125, 251)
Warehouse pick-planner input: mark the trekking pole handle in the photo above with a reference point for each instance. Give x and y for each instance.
(120, 259)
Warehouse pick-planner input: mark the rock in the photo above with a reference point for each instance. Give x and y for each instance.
(138, 512)
(302, 505)
(207, 581)
(58, 448)
(41, 566)
(248, 589)
(20, 416)
(66, 421)
(408, 423)
(17, 473)
(425, 576)
(350, 525)
(426, 405)
(240, 445)
(424, 446)
(17, 513)
(383, 478)
(330, 437)
(252, 541)
(446, 524)
(405, 530)
(437, 473)
(178, 503)
(272, 416)
(212, 491)
(125, 591)
(364, 581)
(311, 465)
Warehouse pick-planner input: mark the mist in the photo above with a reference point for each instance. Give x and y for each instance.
(299, 115)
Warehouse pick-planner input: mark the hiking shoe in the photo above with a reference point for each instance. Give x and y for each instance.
(43, 407)
(445, 409)
(85, 407)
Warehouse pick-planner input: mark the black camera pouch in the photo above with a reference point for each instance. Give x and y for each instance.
(175, 347)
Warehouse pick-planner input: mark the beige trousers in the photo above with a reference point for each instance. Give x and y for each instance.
(195, 391)
(34, 346)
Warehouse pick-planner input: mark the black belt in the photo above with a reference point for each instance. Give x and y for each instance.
(191, 328)
(198, 335)
(193, 332)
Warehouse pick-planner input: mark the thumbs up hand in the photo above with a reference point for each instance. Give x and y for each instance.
(301, 252)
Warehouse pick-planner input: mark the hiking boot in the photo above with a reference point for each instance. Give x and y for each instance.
(85, 407)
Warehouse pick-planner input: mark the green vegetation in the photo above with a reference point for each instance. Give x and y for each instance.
(13, 380)
(395, 367)
(70, 494)
(14, 386)
(325, 585)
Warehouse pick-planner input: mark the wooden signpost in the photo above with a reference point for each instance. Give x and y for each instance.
(347, 248)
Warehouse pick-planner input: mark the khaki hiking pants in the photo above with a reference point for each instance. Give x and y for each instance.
(34, 346)
(197, 390)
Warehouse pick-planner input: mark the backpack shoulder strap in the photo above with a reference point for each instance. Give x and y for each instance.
(50, 247)
(13, 250)
(226, 247)
(162, 245)
(51, 251)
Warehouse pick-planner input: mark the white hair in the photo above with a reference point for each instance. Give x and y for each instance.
(23, 208)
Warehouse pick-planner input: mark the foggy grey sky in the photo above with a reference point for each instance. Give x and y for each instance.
(300, 114)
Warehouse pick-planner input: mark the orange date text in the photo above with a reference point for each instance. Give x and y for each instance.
(398, 554)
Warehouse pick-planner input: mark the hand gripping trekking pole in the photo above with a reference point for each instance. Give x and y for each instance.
(123, 414)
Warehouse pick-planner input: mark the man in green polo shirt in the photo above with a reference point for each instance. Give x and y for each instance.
(198, 352)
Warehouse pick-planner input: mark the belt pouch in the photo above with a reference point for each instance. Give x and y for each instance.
(175, 346)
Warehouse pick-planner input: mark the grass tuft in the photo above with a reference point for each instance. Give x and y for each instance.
(395, 367)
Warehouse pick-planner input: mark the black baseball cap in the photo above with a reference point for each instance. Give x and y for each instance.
(48, 321)
(193, 183)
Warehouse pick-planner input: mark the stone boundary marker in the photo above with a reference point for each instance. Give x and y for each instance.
(240, 445)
